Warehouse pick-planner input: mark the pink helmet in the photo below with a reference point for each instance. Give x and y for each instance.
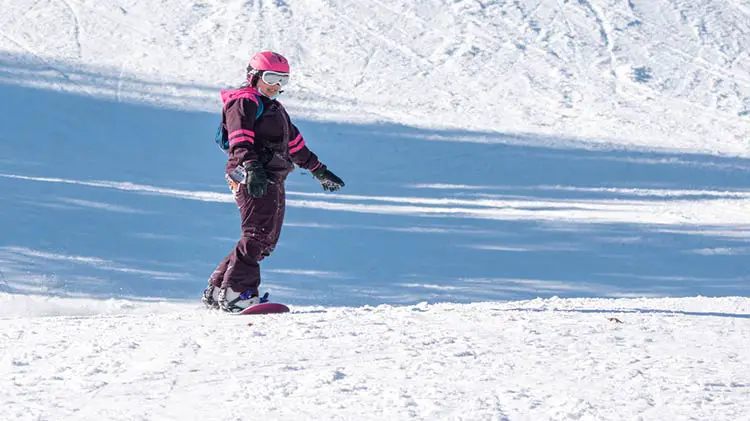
(268, 60)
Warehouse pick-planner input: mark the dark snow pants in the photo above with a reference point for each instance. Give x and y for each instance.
(262, 218)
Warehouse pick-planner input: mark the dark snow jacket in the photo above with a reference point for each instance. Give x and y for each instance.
(275, 142)
(272, 139)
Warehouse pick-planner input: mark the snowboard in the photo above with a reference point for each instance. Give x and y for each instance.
(265, 308)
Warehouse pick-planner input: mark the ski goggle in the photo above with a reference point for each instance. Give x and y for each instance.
(275, 78)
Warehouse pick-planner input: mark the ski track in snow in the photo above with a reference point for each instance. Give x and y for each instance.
(76, 29)
(607, 36)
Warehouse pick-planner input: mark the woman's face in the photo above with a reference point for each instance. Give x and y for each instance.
(268, 90)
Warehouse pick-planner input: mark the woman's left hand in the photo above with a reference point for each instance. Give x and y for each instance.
(327, 179)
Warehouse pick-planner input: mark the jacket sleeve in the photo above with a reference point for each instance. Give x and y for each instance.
(300, 153)
(240, 121)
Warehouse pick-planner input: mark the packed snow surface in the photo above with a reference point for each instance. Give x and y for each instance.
(551, 359)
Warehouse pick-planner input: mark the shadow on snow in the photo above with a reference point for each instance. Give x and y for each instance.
(427, 215)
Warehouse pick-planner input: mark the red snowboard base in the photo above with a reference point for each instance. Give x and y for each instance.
(265, 308)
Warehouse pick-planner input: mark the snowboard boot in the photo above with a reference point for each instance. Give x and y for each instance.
(233, 302)
(208, 298)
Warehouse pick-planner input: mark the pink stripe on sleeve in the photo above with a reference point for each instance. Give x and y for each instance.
(299, 146)
(242, 132)
(239, 139)
(296, 140)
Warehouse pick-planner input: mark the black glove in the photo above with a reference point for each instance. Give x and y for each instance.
(327, 179)
(256, 179)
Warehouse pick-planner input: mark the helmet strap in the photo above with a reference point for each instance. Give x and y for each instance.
(252, 77)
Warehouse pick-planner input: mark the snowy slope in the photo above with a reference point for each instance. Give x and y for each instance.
(667, 74)
(650, 359)
(498, 155)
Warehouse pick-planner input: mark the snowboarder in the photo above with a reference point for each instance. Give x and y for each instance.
(263, 147)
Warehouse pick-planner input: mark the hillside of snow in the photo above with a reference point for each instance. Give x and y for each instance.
(658, 74)
(545, 217)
